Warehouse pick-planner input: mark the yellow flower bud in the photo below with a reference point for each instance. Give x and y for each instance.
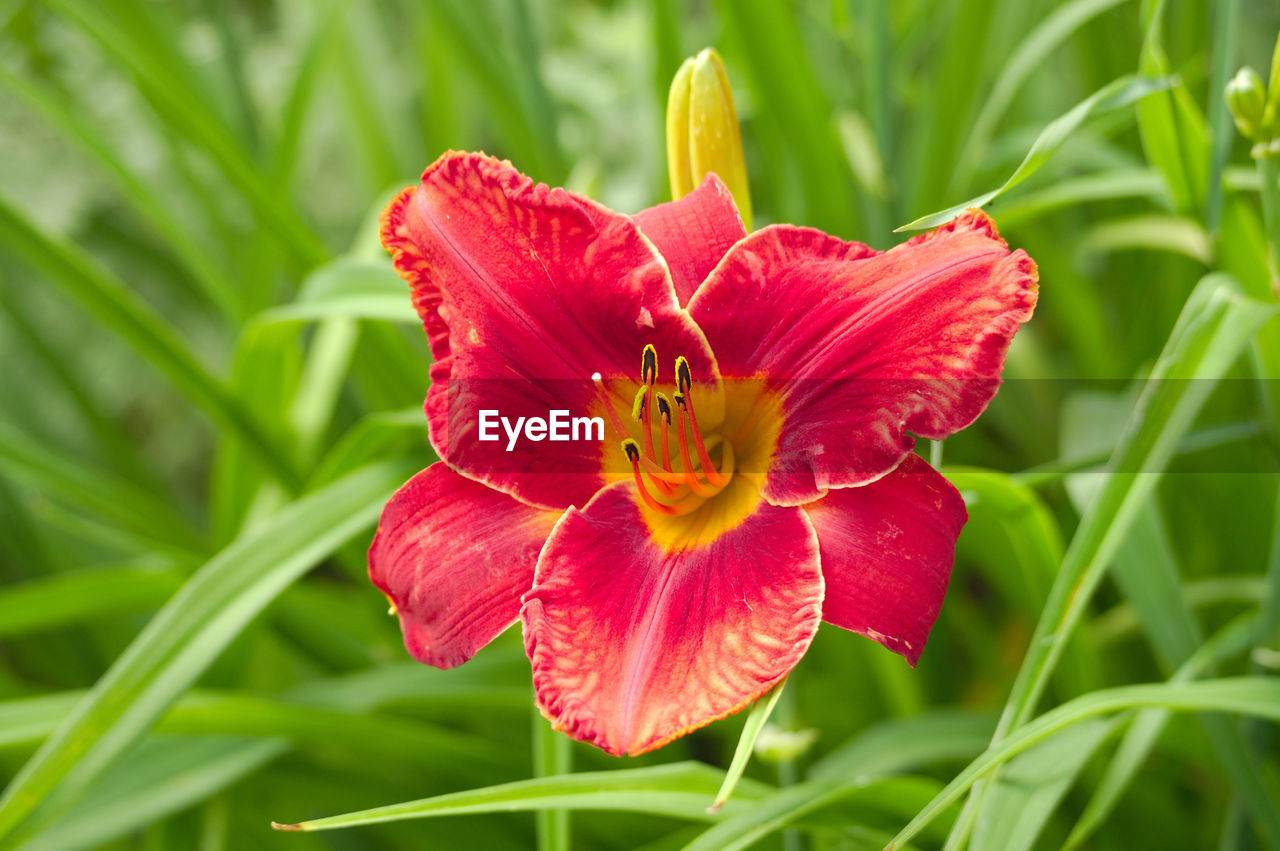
(702, 131)
(1247, 100)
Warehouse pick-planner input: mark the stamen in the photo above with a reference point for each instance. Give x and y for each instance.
(686, 406)
(633, 454)
(611, 413)
(664, 413)
(640, 413)
(649, 365)
(690, 476)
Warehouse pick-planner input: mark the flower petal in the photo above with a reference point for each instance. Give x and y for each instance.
(864, 347)
(454, 556)
(887, 550)
(525, 292)
(693, 233)
(634, 644)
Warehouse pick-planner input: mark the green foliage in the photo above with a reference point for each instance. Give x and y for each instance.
(213, 380)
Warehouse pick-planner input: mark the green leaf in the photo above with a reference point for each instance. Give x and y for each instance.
(857, 768)
(158, 210)
(1214, 327)
(1172, 149)
(1253, 696)
(1146, 728)
(129, 33)
(113, 303)
(888, 795)
(1149, 233)
(1031, 53)
(162, 777)
(105, 496)
(350, 288)
(1087, 188)
(376, 433)
(185, 637)
(680, 790)
(1003, 508)
(901, 744)
(1117, 94)
(1028, 790)
(68, 598)
(756, 718)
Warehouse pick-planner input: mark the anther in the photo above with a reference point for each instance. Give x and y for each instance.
(649, 365)
(684, 376)
(664, 408)
(637, 407)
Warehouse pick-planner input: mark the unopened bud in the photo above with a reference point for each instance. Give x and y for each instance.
(1247, 100)
(702, 131)
(776, 744)
(1271, 115)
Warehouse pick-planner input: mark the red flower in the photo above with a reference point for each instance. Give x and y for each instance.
(668, 576)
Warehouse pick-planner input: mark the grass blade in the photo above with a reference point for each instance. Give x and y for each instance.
(67, 598)
(1057, 27)
(1117, 94)
(126, 32)
(186, 636)
(1213, 329)
(888, 748)
(350, 288)
(161, 778)
(1030, 787)
(1252, 696)
(756, 718)
(111, 302)
(1145, 730)
(105, 496)
(680, 790)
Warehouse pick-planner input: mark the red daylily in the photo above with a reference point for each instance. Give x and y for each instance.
(760, 479)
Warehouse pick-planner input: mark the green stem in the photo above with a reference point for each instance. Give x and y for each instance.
(788, 771)
(1269, 173)
(551, 757)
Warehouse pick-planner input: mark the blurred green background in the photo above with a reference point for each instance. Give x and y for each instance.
(211, 380)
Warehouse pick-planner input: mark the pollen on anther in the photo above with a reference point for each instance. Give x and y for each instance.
(637, 407)
(664, 407)
(649, 365)
(632, 449)
(684, 376)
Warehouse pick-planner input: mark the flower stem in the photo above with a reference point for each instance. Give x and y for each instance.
(1269, 172)
(551, 756)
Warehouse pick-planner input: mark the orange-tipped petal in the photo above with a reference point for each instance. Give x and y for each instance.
(634, 643)
(454, 557)
(693, 233)
(887, 550)
(526, 292)
(862, 347)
